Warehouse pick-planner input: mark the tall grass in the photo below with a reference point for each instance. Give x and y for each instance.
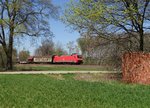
(43, 91)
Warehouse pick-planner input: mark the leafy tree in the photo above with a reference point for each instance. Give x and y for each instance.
(23, 55)
(23, 17)
(105, 18)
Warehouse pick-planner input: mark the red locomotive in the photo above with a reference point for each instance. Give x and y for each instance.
(69, 59)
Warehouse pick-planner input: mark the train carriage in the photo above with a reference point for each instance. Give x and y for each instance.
(40, 59)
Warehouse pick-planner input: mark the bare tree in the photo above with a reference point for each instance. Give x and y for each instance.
(47, 48)
(23, 17)
(59, 49)
(23, 55)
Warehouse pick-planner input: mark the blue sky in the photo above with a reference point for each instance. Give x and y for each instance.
(62, 34)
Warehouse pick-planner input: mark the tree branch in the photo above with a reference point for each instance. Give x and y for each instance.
(145, 7)
(26, 17)
(2, 26)
(34, 34)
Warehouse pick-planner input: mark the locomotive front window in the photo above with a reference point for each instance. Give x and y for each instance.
(79, 56)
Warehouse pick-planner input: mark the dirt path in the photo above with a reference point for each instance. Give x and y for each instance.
(55, 72)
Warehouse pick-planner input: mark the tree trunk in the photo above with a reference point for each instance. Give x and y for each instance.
(9, 62)
(141, 41)
(10, 49)
(9, 65)
(2, 61)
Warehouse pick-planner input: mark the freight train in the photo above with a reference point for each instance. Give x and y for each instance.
(55, 59)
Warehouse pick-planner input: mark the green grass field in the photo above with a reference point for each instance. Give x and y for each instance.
(40, 67)
(50, 91)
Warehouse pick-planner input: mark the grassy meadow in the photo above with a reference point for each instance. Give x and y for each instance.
(67, 91)
(50, 67)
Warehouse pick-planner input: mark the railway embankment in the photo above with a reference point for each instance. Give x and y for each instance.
(55, 72)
